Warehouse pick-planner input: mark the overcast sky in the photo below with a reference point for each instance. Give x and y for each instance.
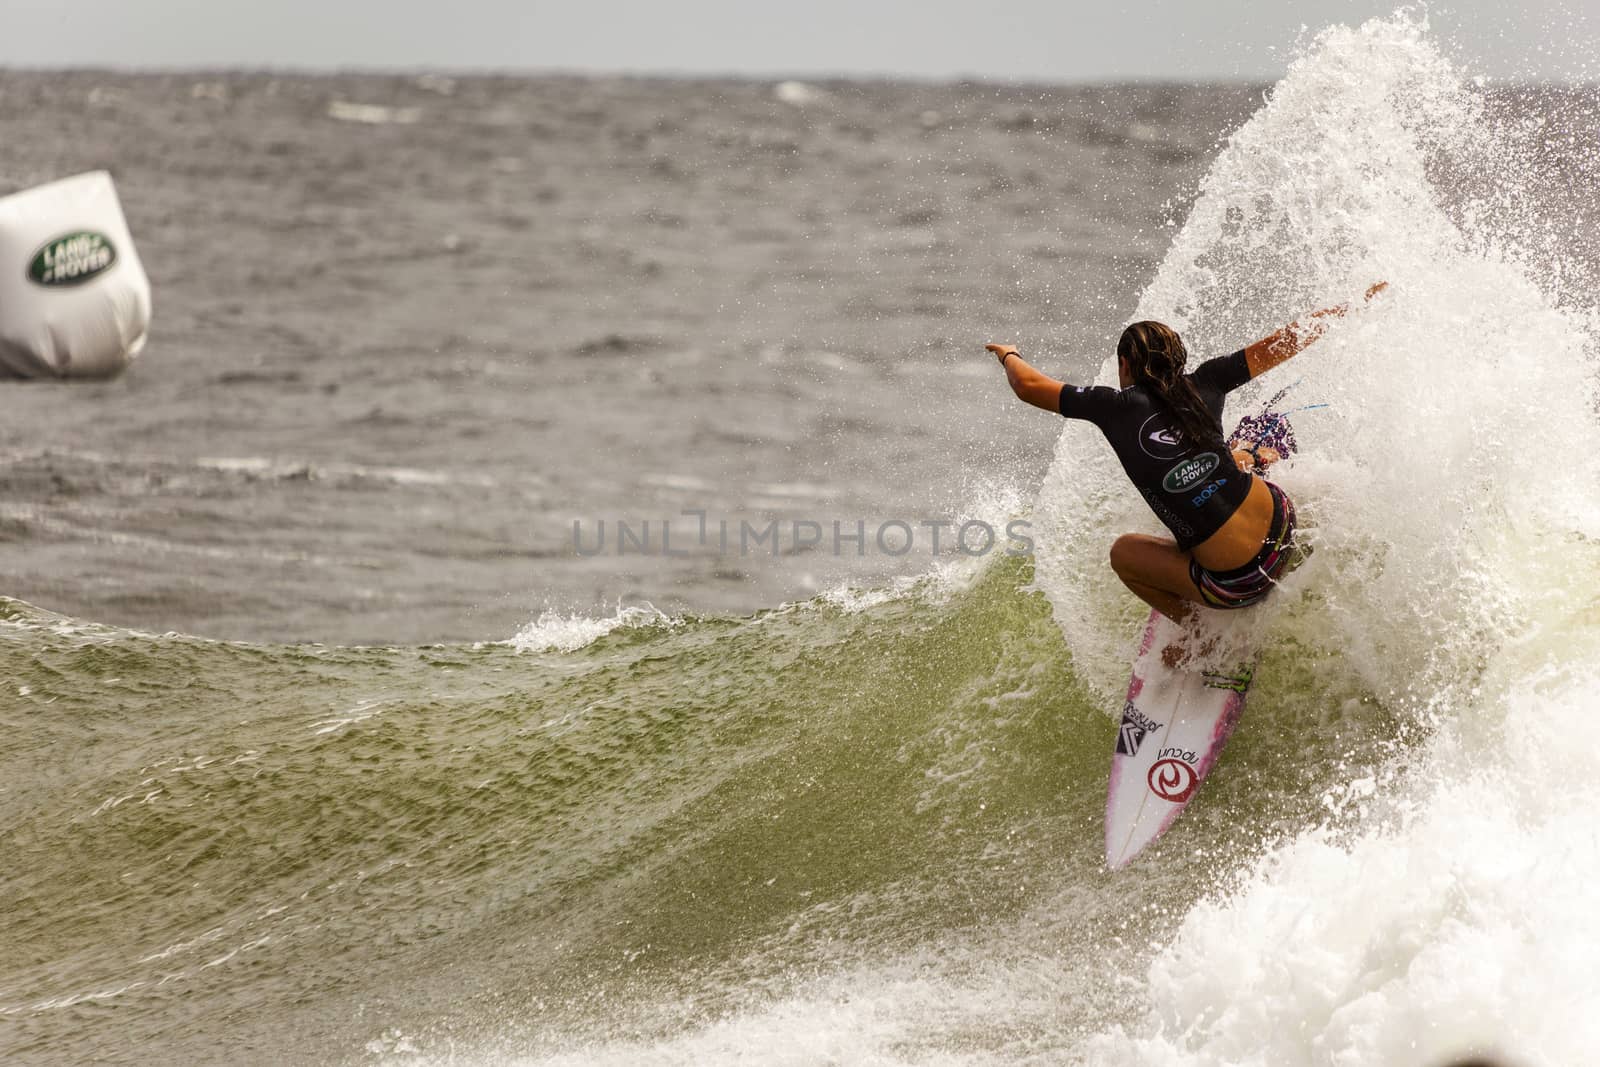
(1068, 40)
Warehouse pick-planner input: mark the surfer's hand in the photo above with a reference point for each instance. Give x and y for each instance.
(1002, 351)
(1375, 290)
(1258, 459)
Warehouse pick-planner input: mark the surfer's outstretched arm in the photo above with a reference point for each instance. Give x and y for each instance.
(1292, 339)
(1038, 389)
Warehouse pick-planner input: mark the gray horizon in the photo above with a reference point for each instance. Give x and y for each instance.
(1022, 42)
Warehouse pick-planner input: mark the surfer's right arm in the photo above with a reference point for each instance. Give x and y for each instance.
(1038, 389)
(1255, 458)
(1293, 339)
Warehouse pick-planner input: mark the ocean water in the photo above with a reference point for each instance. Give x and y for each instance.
(409, 331)
(651, 818)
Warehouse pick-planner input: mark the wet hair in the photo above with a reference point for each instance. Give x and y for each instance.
(1156, 358)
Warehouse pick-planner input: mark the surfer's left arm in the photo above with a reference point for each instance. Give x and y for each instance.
(1294, 338)
(1033, 386)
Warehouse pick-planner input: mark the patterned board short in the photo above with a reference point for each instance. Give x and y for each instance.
(1243, 586)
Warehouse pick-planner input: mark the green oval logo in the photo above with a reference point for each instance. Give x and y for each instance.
(1190, 472)
(72, 259)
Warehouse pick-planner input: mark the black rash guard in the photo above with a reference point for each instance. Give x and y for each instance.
(1192, 488)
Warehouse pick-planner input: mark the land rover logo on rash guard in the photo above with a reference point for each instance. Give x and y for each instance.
(72, 259)
(1159, 440)
(1190, 473)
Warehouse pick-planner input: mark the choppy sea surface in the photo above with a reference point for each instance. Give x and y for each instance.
(322, 741)
(409, 331)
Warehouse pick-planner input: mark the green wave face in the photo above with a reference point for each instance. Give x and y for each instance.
(307, 847)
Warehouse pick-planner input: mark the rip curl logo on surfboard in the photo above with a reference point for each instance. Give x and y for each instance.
(1173, 780)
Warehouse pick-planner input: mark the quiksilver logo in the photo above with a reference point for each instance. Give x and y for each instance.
(1190, 473)
(72, 259)
(1160, 440)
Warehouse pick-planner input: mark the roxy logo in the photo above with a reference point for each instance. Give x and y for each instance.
(72, 259)
(1190, 472)
(1173, 780)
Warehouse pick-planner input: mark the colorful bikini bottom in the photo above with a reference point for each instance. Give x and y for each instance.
(1246, 585)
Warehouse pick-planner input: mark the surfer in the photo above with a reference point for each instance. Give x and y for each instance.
(1232, 530)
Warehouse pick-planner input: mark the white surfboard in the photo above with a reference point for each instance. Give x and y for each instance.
(1174, 724)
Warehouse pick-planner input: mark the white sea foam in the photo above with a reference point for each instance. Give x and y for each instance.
(1452, 579)
(361, 712)
(888, 1015)
(796, 93)
(373, 114)
(554, 632)
(1463, 922)
(1414, 486)
(290, 469)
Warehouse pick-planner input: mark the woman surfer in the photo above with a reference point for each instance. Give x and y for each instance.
(1232, 531)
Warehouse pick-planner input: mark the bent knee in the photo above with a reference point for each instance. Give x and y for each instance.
(1125, 553)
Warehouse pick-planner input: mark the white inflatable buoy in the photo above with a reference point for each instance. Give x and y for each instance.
(74, 299)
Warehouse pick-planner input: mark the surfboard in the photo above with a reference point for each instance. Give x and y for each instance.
(1175, 721)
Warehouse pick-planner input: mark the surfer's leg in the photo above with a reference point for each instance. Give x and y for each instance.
(1169, 604)
(1157, 572)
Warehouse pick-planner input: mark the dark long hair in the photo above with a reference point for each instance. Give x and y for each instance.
(1156, 358)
